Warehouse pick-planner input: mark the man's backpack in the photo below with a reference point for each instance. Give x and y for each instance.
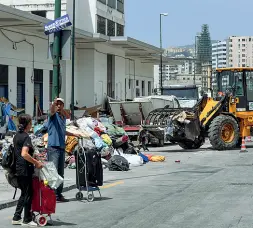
(9, 164)
(118, 163)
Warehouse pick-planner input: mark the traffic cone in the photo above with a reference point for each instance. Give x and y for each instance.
(243, 146)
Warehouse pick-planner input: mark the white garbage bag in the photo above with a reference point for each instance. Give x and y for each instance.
(133, 160)
(49, 173)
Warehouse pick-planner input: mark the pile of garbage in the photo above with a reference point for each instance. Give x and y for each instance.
(117, 152)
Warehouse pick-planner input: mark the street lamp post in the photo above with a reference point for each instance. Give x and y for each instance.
(194, 77)
(161, 54)
(73, 62)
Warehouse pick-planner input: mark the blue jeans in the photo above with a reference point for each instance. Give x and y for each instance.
(57, 156)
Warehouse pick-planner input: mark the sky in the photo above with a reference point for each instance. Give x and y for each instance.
(185, 17)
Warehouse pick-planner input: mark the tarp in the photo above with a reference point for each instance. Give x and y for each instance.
(6, 109)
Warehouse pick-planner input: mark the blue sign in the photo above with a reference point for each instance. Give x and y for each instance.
(57, 25)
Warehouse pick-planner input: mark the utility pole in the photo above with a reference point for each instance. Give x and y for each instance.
(56, 53)
(161, 57)
(194, 77)
(161, 54)
(73, 62)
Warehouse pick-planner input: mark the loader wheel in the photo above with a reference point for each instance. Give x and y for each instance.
(223, 133)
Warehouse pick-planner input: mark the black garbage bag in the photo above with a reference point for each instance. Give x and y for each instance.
(118, 163)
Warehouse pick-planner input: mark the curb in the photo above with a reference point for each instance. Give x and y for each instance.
(12, 203)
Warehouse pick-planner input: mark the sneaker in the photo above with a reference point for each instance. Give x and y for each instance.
(16, 222)
(62, 199)
(30, 224)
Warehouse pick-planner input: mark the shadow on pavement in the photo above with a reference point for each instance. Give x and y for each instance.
(185, 150)
(165, 144)
(85, 201)
(61, 223)
(211, 171)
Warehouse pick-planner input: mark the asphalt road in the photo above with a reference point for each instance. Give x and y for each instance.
(206, 189)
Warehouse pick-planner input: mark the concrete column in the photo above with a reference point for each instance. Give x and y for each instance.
(46, 78)
(12, 85)
(29, 88)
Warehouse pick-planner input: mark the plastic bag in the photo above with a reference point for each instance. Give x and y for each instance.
(106, 139)
(133, 160)
(99, 143)
(88, 144)
(157, 158)
(91, 133)
(49, 173)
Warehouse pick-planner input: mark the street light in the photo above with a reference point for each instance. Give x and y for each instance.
(73, 62)
(194, 77)
(161, 54)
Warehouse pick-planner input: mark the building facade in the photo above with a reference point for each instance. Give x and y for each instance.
(219, 54)
(219, 58)
(96, 16)
(181, 72)
(240, 51)
(116, 66)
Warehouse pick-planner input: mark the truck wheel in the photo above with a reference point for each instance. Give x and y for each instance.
(192, 145)
(224, 133)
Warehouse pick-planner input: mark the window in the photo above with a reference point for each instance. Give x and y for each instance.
(137, 82)
(243, 39)
(4, 81)
(243, 60)
(249, 83)
(243, 65)
(243, 49)
(112, 3)
(249, 39)
(101, 25)
(143, 87)
(41, 13)
(243, 45)
(137, 92)
(243, 55)
(38, 89)
(149, 88)
(110, 28)
(102, 1)
(20, 87)
(120, 6)
(120, 30)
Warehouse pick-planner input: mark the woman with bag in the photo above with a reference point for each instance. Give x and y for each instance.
(24, 170)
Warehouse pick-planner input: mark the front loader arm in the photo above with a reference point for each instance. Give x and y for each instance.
(211, 109)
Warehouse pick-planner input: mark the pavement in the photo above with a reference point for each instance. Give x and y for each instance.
(207, 188)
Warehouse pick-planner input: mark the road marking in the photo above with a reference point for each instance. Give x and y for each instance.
(112, 185)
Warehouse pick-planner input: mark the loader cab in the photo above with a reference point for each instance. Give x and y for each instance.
(238, 82)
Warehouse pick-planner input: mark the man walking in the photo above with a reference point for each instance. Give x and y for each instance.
(56, 141)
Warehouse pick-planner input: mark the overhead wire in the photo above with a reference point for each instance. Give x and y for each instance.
(14, 46)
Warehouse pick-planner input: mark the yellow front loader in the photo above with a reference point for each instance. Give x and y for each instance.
(225, 119)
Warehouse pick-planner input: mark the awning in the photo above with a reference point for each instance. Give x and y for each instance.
(145, 52)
